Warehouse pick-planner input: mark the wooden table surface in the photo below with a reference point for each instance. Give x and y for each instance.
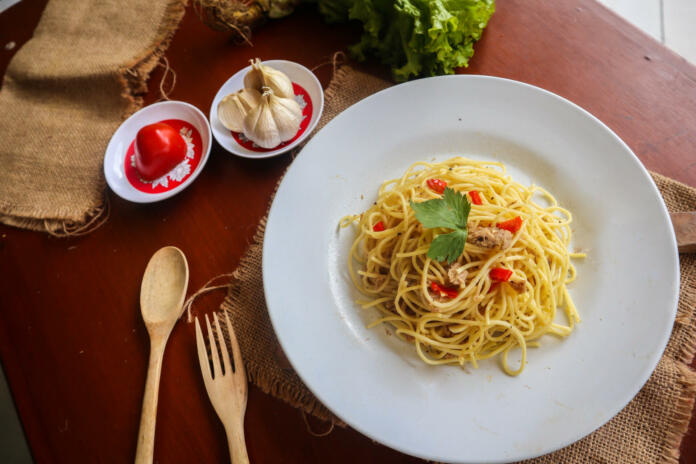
(72, 342)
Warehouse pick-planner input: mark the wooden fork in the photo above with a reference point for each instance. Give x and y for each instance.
(227, 389)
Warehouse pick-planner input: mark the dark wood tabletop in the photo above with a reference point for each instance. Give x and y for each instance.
(72, 342)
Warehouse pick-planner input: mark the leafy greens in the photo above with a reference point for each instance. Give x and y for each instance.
(414, 37)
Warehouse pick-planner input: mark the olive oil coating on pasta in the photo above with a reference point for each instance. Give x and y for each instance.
(478, 317)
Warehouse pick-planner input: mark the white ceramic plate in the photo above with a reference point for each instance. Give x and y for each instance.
(299, 75)
(626, 290)
(124, 181)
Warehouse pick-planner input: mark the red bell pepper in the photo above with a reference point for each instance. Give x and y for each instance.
(475, 197)
(513, 225)
(436, 185)
(500, 274)
(379, 227)
(444, 291)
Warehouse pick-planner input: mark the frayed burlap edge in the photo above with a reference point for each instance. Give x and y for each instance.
(133, 78)
(682, 418)
(93, 219)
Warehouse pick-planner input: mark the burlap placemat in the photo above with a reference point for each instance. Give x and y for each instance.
(64, 93)
(649, 429)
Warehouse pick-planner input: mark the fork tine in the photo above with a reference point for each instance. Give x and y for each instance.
(236, 352)
(213, 349)
(223, 346)
(202, 354)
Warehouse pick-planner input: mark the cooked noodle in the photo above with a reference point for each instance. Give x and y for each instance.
(392, 269)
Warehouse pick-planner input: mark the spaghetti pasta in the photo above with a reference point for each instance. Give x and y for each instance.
(501, 293)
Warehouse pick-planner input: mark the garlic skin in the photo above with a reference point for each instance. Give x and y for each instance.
(273, 121)
(287, 115)
(234, 107)
(264, 76)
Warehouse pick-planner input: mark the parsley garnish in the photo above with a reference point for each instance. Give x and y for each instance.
(450, 212)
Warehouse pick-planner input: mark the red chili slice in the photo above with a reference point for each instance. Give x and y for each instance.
(436, 185)
(475, 197)
(379, 227)
(500, 274)
(513, 225)
(444, 291)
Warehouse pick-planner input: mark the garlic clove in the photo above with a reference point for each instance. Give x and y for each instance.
(234, 107)
(254, 78)
(265, 76)
(274, 120)
(278, 82)
(287, 115)
(260, 126)
(250, 98)
(231, 113)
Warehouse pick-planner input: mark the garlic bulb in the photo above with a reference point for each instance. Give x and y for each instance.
(275, 120)
(234, 107)
(264, 76)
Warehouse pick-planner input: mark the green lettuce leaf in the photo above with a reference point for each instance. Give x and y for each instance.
(414, 37)
(335, 11)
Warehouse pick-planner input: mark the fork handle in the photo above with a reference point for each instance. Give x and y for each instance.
(236, 443)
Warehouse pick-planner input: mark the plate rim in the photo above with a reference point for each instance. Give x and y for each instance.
(651, 364)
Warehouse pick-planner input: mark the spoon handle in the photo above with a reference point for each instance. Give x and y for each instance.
(148, 416)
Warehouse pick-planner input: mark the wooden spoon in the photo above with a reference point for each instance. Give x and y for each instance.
(685, 229)
(161, 303)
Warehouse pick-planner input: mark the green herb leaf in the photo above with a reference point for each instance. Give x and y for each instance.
(448, 247)
(449, 212)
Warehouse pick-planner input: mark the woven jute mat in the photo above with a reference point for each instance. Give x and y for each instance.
(64, 93)
(648, 430)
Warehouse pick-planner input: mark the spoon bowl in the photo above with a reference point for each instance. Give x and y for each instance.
(164, 287)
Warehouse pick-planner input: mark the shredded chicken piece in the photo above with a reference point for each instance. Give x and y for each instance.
(457, 275)
(518, 284)
(490, 237)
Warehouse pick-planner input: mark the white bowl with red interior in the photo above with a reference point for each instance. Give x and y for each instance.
(120, 167)
(308, 93)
